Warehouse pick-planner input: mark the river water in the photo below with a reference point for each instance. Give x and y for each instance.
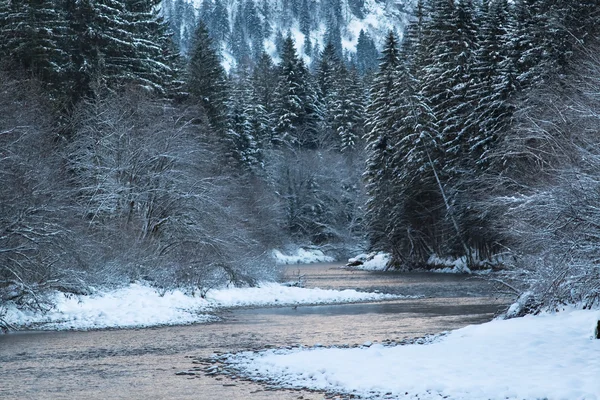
(141, 363)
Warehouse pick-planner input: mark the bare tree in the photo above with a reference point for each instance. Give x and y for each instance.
(548, 195)
(150, 188)
(35, 247)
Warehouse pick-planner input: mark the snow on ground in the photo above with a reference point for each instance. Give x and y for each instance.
(370, 262)
(552, 356)
(448, 265)
(379, 262)
(139, 305)
(302, 256)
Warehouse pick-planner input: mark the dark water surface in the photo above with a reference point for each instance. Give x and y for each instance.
(141, 363)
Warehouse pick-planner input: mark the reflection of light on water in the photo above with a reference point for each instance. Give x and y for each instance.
(141, 363)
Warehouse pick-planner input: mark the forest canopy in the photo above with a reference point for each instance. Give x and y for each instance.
(128, 153)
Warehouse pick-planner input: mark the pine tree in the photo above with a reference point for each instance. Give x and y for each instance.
(496, 84)
(243, 145)
(152, 64)
(206, 81)
(219, 28)
(379, 134)
(328, 76)
(366, 53)
(238, 42)
(348, 109)
(333, 35)
(448, 77)
(254, 29)
(34, 37)
(304, 18)
(101, 44)
(265, 10)
(263, 97)
(296, 115)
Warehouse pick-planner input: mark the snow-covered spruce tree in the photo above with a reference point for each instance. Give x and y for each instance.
(219, 22)
(116, 43)
(34, 38)
(295, 110)
(242, 143)
(205, 79)
(380, 119)
(152, 65)
(366, 53)
(348, 108)
(239, 40)
(254, 29)
(450, 90)
(327, 76)
(181, 18)
(533, 37)
(414, 213)
(263, 97)
(495, 82)
(449, 79)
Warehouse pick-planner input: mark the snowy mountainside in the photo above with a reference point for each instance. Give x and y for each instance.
(242, 29)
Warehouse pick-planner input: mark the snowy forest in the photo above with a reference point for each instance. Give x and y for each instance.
(137, 146)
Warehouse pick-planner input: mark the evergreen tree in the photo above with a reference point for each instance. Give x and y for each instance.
(366, 53)
(242, 143)
(328, 77)
(296, 114)
(308, 47)
(379, 134)
(152, 64)
(34, 37)
(333, 35)
(263, 97)
(265, 10)
(219, 28)
(304, 18)
(496, 81)
(206, 80)
(254, 28)
(239, 40)
(449, 82)
(348, 109)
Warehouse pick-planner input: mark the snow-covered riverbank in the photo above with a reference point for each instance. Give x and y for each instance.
(551, 356)
(139, 305)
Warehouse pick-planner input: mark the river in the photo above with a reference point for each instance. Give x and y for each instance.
(141, 363)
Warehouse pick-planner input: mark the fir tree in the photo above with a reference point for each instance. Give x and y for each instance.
(296, 115)
(366, 53)
(34, 37)
(378, 137)
(242, 144)
(219, 22)
(263, 97)
(347, 109)
(205, 79)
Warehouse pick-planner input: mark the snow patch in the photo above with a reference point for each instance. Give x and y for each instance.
(448, 265)
(302, 256)
(370, 262)
(139, 305)
(552, 356)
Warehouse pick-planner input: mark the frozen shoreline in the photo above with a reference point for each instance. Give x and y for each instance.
(552, 356)
(139, 305)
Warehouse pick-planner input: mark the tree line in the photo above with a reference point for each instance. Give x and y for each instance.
(122, 160)
(471, 132)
